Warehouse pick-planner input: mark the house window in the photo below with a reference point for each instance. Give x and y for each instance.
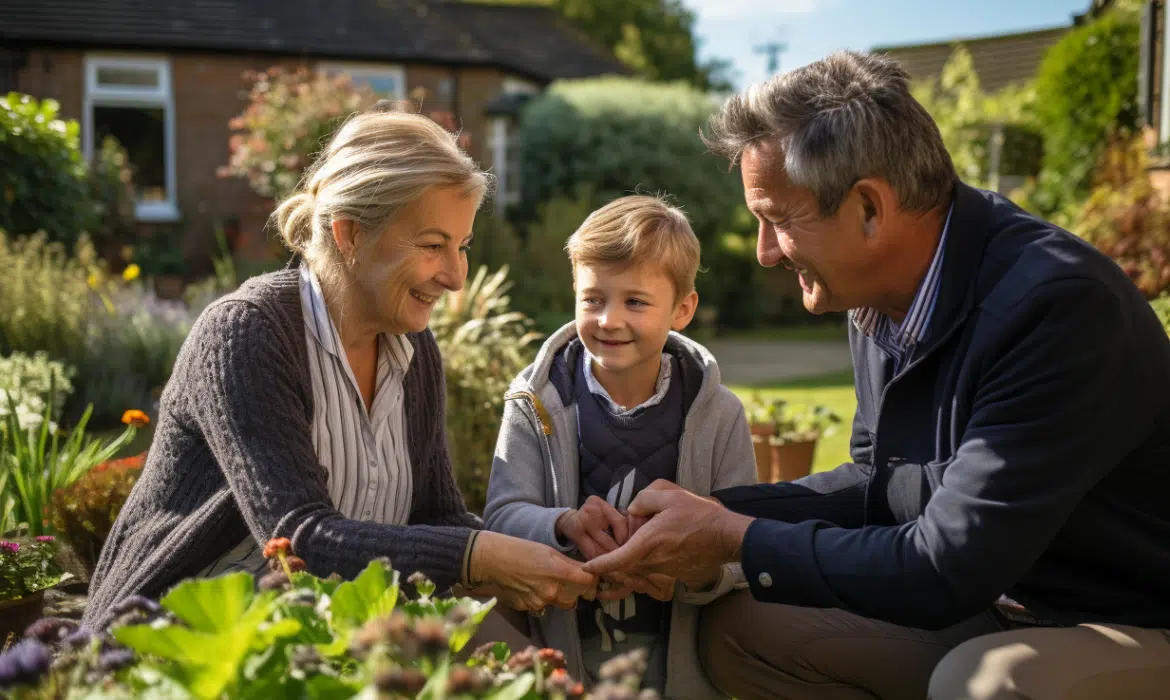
(506, 145)
(388, 81)
(132, 100)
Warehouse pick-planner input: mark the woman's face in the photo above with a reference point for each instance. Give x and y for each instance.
(421, 255)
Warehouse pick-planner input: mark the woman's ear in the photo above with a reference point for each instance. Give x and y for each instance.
(684, 311)
(345, 236)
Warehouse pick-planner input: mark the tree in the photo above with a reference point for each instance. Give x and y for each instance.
(970, 120)
(654, 37)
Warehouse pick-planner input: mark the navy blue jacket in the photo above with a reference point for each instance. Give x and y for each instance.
(1024, 450)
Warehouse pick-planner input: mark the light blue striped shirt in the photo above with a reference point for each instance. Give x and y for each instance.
(898, 340)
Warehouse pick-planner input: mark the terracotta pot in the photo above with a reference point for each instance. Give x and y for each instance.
(793, 460)
(17, 615)
(760, 433)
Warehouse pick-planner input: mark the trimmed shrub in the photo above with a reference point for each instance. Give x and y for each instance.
(43, 184)
(1086, 90)
(615, 136)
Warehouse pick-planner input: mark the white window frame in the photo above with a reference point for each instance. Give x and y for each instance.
(357, 70)
(506, 193)
(129, 96)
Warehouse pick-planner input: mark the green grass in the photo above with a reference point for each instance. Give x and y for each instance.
(832, 390)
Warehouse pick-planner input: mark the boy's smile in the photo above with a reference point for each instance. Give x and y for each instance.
(624, 314)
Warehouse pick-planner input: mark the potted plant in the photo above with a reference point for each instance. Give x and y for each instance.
(791, 436)
(762, 424)
(28, 566)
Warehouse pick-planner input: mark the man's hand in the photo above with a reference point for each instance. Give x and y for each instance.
(591, 526)
(657, 586)
(687, 537)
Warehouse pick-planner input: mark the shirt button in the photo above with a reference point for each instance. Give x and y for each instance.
(367, 513)
(766, 580)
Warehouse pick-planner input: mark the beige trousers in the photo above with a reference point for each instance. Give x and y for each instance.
(760, 650)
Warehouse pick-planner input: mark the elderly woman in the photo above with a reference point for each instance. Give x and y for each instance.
(309, 404)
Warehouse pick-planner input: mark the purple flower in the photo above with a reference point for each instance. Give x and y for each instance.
(79, 638)
(115, 659)
(10, 547)
(50, 630)
(135, 602)
(45, 538)
(24, 663)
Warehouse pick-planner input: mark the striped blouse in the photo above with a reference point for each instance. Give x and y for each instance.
(364, 453)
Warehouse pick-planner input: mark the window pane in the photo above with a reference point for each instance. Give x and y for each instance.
(384, 85)
(141, 132)
(116, 76)
(514, 150)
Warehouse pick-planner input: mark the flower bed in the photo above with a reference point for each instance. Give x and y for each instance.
(297, 636)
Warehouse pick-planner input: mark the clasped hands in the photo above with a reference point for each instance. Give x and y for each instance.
(668, 534)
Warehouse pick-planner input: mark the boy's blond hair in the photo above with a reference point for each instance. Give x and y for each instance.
(639, 229)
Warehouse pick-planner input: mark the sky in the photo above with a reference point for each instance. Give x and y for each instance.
(813, 28)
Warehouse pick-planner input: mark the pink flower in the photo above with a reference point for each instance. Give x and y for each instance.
(10, 547)
(45, 538)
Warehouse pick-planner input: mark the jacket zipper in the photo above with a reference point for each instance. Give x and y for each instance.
(543, 422)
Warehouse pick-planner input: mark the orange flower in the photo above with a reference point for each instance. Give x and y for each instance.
(277, 545)
(135, 418)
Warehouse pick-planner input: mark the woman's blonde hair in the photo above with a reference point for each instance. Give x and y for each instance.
(635, 230)
(377, 163)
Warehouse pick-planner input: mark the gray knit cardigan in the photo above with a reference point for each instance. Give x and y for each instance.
(232, 455)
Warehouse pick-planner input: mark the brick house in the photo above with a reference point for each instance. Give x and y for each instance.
(167, 77)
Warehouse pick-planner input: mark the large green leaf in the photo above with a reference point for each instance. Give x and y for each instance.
(478, 612)
(373, 593)
(211, 604)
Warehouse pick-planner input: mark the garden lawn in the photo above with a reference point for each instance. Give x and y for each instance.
(832, 390)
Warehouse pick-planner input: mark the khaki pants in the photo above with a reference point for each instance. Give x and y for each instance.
(760, 650)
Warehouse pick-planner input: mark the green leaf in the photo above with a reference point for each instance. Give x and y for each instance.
(328, 688)
(516, 690)
(478, 612)
(269, 633)
(368, 596)
(212, 604)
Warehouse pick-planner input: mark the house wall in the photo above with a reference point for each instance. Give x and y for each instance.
(209, 90)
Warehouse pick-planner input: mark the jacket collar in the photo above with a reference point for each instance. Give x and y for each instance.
(965, 245)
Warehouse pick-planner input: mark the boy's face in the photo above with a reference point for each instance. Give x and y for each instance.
(625, 314)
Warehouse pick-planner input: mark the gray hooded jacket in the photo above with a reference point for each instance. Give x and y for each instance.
(535, 478)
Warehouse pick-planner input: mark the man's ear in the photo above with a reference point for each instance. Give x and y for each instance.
(345, 236)
(684, 311)
(878, 204)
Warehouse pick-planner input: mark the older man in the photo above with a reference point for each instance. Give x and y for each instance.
(1005, 522)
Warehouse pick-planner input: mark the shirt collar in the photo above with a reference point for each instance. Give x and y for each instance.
(396, 348)
(913, 328)
(660, 387)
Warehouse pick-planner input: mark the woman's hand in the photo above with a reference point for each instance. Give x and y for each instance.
(596, 528)
(528, 575)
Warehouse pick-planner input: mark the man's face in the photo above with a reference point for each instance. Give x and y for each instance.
(830, 254)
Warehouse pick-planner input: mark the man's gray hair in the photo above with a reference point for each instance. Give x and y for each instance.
(846, 117)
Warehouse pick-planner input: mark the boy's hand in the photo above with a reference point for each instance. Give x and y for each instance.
(596, 528)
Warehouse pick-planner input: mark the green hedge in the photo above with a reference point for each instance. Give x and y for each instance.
(43, 184)
(615, 136)
(1086, 89)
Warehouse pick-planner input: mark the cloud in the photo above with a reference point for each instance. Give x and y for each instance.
(762, 9)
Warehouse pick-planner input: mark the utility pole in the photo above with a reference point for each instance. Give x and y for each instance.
(772, 50)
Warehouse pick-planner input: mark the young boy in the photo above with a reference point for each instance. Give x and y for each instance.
(614, 401)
